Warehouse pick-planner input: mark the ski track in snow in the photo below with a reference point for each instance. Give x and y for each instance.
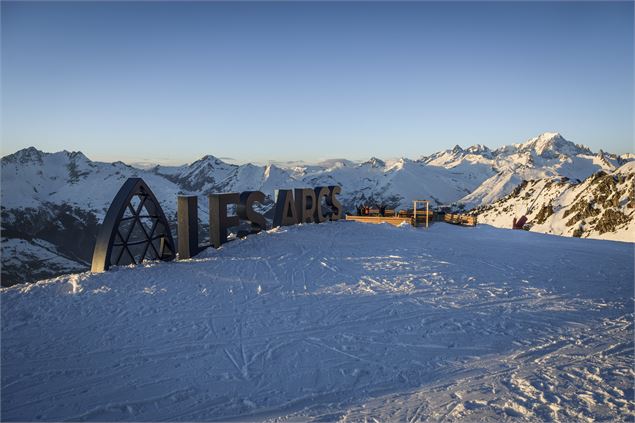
(337, 321)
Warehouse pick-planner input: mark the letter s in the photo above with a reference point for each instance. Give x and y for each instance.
(245, 210)
(334, 203)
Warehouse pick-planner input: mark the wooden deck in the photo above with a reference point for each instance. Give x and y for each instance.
(422, 217)
(396, 221)
(460, 219)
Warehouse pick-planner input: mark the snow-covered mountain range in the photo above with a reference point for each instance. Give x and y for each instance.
(602, 206)
(52, 203)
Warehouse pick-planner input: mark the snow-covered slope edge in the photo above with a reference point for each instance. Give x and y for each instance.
(337, 321)
(602, 206)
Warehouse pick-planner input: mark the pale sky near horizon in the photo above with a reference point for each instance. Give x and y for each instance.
(169, 82)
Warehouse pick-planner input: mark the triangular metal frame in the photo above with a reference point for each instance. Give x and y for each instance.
(110, 234)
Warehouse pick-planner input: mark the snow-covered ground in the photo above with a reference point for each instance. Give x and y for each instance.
(337, 321)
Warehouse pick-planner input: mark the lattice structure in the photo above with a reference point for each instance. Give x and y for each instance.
(135, 229)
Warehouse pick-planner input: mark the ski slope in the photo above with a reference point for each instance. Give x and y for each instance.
(337, 321)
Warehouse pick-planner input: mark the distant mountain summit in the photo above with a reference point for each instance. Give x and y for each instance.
(335, 163)
(480, 150)
(24, 156)
(551, 145)
(375, 163)
(32, 155)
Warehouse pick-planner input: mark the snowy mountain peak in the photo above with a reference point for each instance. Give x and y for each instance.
(271, 169)
(335, 163)
(457, 149)
(209, 160)
(478, 148)
(24, 156)
(73, 160)
(34, 156)
(374, 162)
(550, 136)
(446, 157)
(604, 160)
(76, 155)
(398, 164)
(552, 144)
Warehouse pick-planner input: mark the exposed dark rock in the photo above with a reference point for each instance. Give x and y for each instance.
(610, 221)
(580, 211)
(544, 213)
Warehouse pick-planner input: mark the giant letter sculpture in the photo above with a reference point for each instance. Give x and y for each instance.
(284, 213)
(334, 203)
(129, 235)
(187, 226)
(320, 214)
(219, 222)
(245, 210)
(305, 204)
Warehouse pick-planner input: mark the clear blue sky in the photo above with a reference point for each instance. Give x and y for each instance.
(170, 82)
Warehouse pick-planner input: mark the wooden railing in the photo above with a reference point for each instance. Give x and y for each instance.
(460, 219)
(376, 212)
(380, 219)
(407, 216)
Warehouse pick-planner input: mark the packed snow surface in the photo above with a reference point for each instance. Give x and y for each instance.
(337, 321)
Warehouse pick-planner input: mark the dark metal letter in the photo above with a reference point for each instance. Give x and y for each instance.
(320, 216)
(218, 219)
(187, 226)
(305, 204)
(245, 210)
(334, 203)
(127, 235)
(284, 213)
